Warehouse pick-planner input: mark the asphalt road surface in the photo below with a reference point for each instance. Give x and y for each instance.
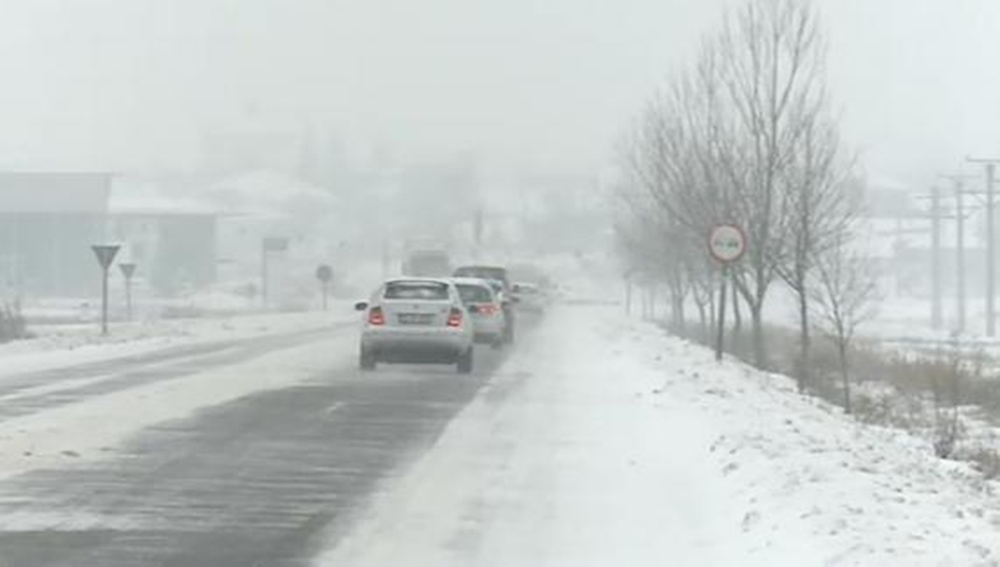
(262, 480)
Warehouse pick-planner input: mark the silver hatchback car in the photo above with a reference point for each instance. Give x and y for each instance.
(416, 320)
(485, 306)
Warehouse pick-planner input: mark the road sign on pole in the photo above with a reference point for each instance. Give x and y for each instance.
(324, 274)
(105, 254)
(726, 243)
(128, 270)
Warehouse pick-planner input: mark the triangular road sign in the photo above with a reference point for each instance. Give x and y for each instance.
(128, 269)
(106, 254)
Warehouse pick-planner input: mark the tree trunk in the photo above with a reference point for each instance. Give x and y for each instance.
(628, 296)
(652, 302)
(703, 321)
(711, 312)
(737, 312)
(844, 374)
(672, 292)
(805, 341)
(678, 311)
(759, 352)
(676, 305)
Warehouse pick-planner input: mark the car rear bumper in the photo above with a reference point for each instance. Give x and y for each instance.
(488, 326)
(489, 338)
(402, 346)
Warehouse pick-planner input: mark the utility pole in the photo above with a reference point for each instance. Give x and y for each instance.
(960, 254)
(935, 257)
(898, 245)
(936, 215)
(959, 186)
(990, 243)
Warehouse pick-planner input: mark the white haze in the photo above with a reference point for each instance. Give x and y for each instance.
(545, 85)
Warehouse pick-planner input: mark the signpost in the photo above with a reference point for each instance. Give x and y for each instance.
(727, 243)
(324, 274)
(270, 245)
(128, 270)
(105, 257)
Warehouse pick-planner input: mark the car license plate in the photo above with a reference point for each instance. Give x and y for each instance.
(415, 318)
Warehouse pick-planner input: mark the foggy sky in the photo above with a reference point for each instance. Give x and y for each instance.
(543, 84)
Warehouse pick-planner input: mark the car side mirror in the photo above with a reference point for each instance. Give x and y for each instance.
(361, 306)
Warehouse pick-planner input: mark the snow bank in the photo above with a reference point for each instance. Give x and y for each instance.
(604, 442)
(67, 345)
(868, 495)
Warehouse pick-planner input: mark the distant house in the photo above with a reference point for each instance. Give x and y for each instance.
(264, 203)
(48, 221)
(174, 242)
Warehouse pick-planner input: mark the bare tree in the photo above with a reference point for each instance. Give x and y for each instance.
(774, 67)
(821, 203)
(704, 284)
(649, 241)
(844, 299)
(946, 377)
(744, 136)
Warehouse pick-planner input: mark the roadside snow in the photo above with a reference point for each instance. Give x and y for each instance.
(604, 442)
(868, 495)
(71, 345)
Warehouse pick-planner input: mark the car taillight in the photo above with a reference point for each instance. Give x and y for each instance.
(488, 309)
(376, 316)
(455, 318)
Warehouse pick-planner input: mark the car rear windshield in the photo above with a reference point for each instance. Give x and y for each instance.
(474, 293)
(485, 272)
(416, 290)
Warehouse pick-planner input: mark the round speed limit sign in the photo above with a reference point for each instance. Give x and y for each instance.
(727, 243)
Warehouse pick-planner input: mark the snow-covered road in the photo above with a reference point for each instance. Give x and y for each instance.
(597, 440)
(222, 453)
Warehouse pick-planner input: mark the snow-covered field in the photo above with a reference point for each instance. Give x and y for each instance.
(604, 442)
